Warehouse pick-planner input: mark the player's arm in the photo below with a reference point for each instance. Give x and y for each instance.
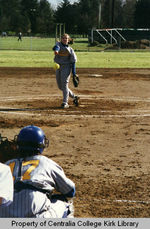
(71, 193)
(75, 76)
(63, 184)
(73, 69)
(73, 60)
(6, 187)
(56, 49)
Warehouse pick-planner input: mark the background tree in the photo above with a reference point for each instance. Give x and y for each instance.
(29, 9)
(26, 16)
(142, 14)
(67, 13)
(44, 20)
(37, 16)
(128, 13)
(118, 14)
(112, 13)
(8, 14)
(88, 15)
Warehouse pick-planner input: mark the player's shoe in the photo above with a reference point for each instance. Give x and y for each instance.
(76, 101)
(64, 105)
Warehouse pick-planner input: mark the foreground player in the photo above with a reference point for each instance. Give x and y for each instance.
(66, 58)
(35, 178)
(6, 185)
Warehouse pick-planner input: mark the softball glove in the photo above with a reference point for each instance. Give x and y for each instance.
(8, 149)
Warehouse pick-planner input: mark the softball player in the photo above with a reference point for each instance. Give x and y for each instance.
(6, 185)
(35, 178)
(66, 58)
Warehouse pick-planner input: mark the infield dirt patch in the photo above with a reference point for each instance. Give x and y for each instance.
(102, 145)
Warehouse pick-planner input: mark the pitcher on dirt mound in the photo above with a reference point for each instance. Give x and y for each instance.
(65, 58)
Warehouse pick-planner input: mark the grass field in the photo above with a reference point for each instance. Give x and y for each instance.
(10, 58)
(38, 44)
(37, 52)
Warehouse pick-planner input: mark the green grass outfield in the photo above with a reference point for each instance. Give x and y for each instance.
(10, 58)
(37, 52)
(39, 44)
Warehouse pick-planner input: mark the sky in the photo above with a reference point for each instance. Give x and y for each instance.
(56, 2)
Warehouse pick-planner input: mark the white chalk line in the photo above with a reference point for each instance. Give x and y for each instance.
(47, 96)
(124, 201)
(78, 115)
(101, 116)
(12, 110)
(17, 98)
(19, 113)
(143, 113)
(6, 109)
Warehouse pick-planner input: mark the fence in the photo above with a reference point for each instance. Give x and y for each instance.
(80, 43)
(27, 43)
(116, 35)
(39, 44)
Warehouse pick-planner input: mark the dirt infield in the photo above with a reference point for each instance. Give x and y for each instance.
(103, 145)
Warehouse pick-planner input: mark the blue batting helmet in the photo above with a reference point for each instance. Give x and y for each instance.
(32, 138)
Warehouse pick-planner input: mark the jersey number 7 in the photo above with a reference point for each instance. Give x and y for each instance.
(31, 165)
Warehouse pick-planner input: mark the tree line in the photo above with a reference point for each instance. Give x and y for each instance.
(39, 17)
